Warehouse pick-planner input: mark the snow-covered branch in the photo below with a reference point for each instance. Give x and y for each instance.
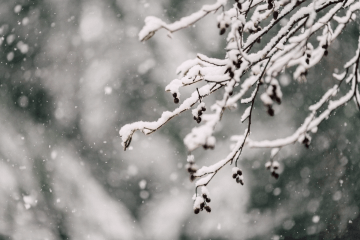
(303, 33)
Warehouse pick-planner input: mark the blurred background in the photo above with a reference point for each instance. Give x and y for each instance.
(73, 72)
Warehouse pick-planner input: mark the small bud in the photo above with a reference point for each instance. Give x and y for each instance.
(176, 100)
(175, 95)
(208, 209)
(242, 182)
(196, 211)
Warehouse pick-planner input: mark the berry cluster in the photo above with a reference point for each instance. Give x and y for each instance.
(201, 202)
(176, 99)
(308, 52)
(224, 21)
(237, 174)
(273, 166)
(325, 47)
(197, 112)
(273, 93)
(191, 167)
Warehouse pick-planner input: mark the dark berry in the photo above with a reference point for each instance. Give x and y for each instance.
(176, 100)
(326, 52)
(275, 14)
(196, 211)
(208, 200)
(200, 113)
(175, 95)
(308, 55)
(198, 120)
(195, 118)
(208, 209)
(226, 25)
(239, 6)
(238, 180)
(218, 25)
(203, 109)
(270, 6)
(234, 175)
(202, 205)
(270, 111)
(222, 31)
(239, 172)
(231, 74)
(307, 61)
(231, 93)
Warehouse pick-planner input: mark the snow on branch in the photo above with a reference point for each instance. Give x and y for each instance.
(304, 30)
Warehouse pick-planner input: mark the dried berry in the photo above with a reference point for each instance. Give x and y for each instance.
(275, 14)
(270, 6)
(203, 109)
(208, 209)
(234, 175)
(239, 172)
(176, 100)
(208, 200)
(175, 95)
(198, 120)
(307, 61)
(222, 31)
(270, 111)
(196, 211)
(326, 52)
(231, 74)
(199, 113)
(239, 6)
